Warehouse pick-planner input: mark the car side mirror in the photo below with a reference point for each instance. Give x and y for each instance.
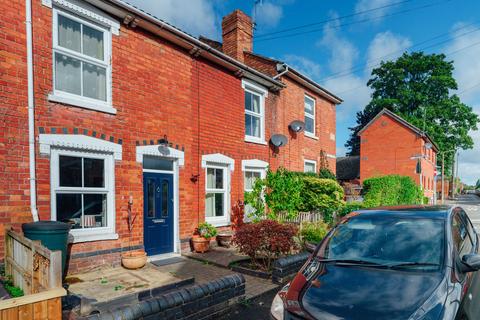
(471, 262)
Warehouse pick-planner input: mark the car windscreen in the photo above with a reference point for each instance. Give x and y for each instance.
(388, 240)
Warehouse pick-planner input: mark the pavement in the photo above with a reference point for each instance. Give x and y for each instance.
(471, 204)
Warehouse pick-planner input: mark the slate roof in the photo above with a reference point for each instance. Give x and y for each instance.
(348, 168)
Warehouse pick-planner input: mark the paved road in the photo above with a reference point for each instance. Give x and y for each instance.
(471, 204)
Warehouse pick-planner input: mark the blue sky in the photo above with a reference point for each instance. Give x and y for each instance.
(341, 53)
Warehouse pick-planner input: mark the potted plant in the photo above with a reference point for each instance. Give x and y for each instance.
(202, 236)
(224, 239)
(133, 259)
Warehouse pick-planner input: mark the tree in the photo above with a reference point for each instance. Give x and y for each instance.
(418, 88)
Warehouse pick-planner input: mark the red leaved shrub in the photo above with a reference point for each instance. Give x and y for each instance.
(265, 241)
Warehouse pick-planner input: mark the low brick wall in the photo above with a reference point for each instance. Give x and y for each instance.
(285, 268)
(203, 301)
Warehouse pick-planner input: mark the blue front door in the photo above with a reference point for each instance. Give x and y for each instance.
(158, 212)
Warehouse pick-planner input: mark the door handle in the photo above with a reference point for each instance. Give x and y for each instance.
(158, 220)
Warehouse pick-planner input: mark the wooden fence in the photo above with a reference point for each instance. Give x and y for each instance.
(38, 272)
(301, 217)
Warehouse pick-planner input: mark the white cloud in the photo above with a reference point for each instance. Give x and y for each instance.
(267, 15)
(304, 65)
(342, 56)
(464, 50)
(342, 52)
(366, 5)
(386, 46)
(194, 16)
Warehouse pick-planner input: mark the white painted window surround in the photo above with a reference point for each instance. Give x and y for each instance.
(310, 117)
(81, 55)
(60, 146)
(218, 168)
(255, 95)
(253, 169)
(309, 166)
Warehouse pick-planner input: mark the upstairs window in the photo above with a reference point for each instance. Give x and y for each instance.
(309, 116)
(81, 60)
(254, 113)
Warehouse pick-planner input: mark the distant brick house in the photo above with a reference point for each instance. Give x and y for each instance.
(391, 145)
(132, 114)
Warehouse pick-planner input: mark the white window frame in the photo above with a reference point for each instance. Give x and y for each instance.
(223, 220)
(305, 162)
(313, 117)
(261, 92)
(86, 234)
(79, 100)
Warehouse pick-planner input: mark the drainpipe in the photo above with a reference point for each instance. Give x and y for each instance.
(31, 108)
(282, 68)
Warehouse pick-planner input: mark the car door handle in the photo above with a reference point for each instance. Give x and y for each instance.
(158, 220)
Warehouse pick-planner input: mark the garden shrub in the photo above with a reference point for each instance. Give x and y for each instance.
(292, 192)
(321, 194)
(313, 232)
(325, 173)
(391, 190)
(280, 191)
(265, 241)
(349, 207)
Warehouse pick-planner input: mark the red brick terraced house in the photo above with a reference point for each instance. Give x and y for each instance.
(391, 145)
(108, 110)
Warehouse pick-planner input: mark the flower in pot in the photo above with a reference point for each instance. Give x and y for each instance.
(133, 259)
(202, 236)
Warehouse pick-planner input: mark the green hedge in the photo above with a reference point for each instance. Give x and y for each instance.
(391, 190)
(292, 192)
(320, 194)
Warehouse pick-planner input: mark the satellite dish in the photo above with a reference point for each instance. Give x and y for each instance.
(278, 140)
(163, 149)
(297, 126)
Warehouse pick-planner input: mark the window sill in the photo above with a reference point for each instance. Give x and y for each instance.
(311, 136)
(218, 223)
(255, 140)
(79, 102)
(87, 237)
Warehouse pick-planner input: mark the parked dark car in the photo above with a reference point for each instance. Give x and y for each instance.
(416, 263)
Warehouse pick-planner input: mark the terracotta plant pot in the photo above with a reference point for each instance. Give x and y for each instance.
(224, 240)
(134, 260)
(200, 244)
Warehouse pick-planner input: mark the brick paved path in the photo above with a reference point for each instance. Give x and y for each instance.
(204, 272)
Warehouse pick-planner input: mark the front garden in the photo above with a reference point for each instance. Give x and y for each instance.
(291, 212)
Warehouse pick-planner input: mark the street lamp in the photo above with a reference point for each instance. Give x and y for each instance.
(443, 172)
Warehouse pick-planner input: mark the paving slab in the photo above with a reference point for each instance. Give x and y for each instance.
(108, 283)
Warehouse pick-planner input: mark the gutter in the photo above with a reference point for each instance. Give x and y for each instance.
(195, 46)
(31, 111)
(284, 68)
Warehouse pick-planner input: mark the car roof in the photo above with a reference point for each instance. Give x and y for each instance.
(417, 211)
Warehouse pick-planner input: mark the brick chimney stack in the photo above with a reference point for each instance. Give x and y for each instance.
(237, 34)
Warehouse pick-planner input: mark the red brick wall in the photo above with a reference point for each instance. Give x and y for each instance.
(158, 89)
(386, 148)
